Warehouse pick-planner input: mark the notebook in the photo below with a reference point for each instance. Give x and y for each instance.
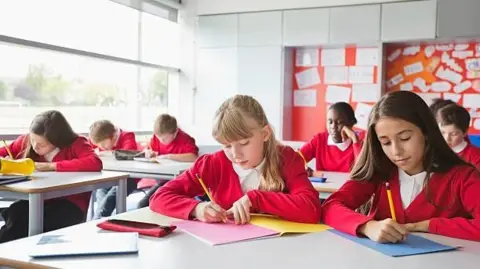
(285, 226)
(414, 245)
(145, 160)
(81, 245)
(8, 179)
(223, 233)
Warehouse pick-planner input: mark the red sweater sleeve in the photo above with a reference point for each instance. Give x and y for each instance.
(339, 208)
(175, 199)
(85, 158)
(309, 149)
(17, 147)
(128, 141)
(154, 144)
(300, 201)
(190, 147)
(462, 227)
(357, 147)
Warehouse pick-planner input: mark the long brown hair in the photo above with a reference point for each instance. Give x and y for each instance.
(230, 126)
(54, 127)
(372, 163)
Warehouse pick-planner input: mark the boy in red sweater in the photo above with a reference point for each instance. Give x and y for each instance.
(53, 145)
(107, 137)
(454, 121)
(253, 173)
(433, 189)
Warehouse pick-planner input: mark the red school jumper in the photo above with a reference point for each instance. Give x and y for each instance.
(330, 157)
(471, 154)
(78, 157)
(455, 212)
(298, 202)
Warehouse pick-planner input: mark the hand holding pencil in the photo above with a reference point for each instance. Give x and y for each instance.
(209, 211)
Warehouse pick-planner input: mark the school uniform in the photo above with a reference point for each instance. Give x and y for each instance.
(298, 202)
(181, 144)
(331, 156)
(58, 212)
(124, 140)
(469, 153)
(455, 211)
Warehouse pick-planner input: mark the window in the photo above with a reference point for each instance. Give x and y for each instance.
(89, 67)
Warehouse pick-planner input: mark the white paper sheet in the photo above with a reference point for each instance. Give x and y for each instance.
(421, 84)
(429, 97)
(459, 88)
(444, 47)
(429, 50)
(362, 111)
(333, 57)
(366, 93)
(395, 80)
(440, 86)
(461, 47)
(337, 94)
(360, 74)
(412, 69)
(452, 96)
(307, 78)
(473, 64)
(476, 85)
(473, 74)
(406, 87)
(447, 74)
(336, 75)
(471, 100)
(477, 48)
(476, 124)
(366, 56)
(463, 54)
(451, 62)
(305, 98)
(394, 55)
(306, 57)
(412, 50)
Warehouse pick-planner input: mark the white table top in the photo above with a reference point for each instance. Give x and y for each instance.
(111, 164)
(48, 181)
(318, 250)
(335, 180)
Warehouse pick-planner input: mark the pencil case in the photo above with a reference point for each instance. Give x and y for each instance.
(147, 229)
(17, 167)
(127, 155)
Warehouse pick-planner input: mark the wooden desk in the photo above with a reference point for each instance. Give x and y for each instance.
(138, 169)
(182, 251)
(48, 185)
(335, 180)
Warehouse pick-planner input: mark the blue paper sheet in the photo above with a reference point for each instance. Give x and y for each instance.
(414, 245)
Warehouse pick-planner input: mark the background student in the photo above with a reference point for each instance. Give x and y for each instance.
(54, 146)
(253, 173)
(433, 189)
(335, 150)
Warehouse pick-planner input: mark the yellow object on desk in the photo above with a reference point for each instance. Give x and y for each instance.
(17, 167)
(285, 226)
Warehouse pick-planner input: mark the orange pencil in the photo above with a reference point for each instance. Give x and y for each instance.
(303, 157)
(8, 150)
(390, 201)
(207, 192)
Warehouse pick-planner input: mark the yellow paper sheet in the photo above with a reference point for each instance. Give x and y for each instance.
(284, 226)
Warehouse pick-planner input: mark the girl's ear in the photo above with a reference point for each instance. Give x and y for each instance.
(266, 133)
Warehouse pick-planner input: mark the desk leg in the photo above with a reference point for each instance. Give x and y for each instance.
(122, 196)
(91, 206)
(35, 211)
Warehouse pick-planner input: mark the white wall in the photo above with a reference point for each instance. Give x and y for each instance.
(205, 7)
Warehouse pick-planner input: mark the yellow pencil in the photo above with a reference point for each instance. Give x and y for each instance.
(8, 149)
(303, 157)
(390, 201)
(207, 192)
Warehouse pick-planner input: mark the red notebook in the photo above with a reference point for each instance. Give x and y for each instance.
(142, 228)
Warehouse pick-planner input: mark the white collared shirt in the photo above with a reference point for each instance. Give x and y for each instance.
(249, 178)
(341, 146)
(460, 147)
(410, 186)
(49, 156)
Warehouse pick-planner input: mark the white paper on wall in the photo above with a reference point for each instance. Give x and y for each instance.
(440, 86)
(471, 100)
(412, 50)
(307, 78)
(366, 56)
(473, 74)
(362, 111)
(429, 97)
(463, 54)
(394, 55)
(336, 75)
(461, 47)
(337, 94)
(476, 124)
(459, 88)
(429, 50)
(365, 93)
(395, 80)
(305, 98)
(406, 86)
(447, 74)
(444, 47)
(477, 48)
(451, 62)
(476, 85)
(332, 57)
(452, 96)
(306, 57)
(360, 74)
(421, 84)
(413, 68)
(473, 64)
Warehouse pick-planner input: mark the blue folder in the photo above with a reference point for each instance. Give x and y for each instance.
(414, 245)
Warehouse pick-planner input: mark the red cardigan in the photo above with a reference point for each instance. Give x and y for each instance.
(78, 157)
(455, 194)
(299, 201)
(471, 154)
(331, 158)
(125, 141)
(183, 143)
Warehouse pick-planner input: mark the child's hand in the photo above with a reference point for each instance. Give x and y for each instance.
(209, 212)
(421, 226)
(241, 210)
(348, 133)
(385, 231)
(317, 174)
(150, 153)
(44, 167)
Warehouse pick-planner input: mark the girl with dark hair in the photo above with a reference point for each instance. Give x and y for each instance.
(336, 149)
(53, 146)
(433, 189)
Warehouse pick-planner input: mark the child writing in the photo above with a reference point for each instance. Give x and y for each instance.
(454, 121)
(336, 149)
(253, 173)
(433, 189)
(108, 137)
(54, 146)
(167, 142)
